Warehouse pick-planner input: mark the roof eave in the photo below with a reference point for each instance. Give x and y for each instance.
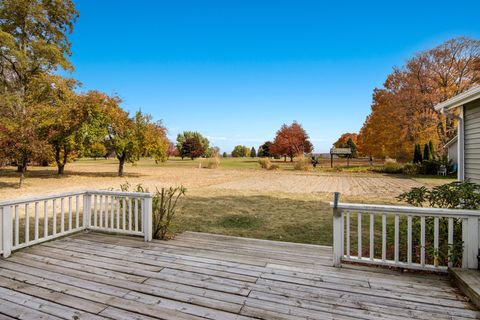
(459, 100)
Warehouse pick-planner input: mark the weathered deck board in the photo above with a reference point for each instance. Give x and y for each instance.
(198, 276)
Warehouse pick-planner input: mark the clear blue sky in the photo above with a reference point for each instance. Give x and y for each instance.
(237, 70)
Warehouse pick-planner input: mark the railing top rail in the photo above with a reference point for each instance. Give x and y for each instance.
(40, 198)
(406, 210)
(20, 201)
(119, 193)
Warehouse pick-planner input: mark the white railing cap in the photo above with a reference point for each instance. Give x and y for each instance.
(73, 194)
(407, 210)
(119, 193)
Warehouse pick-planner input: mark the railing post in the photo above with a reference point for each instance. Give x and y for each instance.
(337, 232)
(470, 243)
(6, 230)
(147, 218)
(87, 212)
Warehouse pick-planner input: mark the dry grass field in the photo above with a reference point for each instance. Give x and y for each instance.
(238, 198)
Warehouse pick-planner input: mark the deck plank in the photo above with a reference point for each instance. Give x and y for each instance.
(94, 276)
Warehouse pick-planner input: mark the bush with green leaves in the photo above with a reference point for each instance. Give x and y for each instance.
(164, 208)
(455, 195)
(410, 169)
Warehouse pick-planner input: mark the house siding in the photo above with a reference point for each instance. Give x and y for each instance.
(472, 140)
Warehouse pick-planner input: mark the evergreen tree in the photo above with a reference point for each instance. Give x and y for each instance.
(417, 155)
(426, 152)
(432, 149)
(260, 152)
(352, 147)
(225, 154)
(253, 153)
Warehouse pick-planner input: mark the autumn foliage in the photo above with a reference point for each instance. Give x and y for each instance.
(403, 112)
(291, 141)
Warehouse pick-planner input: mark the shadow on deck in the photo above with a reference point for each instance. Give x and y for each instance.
(196, 276)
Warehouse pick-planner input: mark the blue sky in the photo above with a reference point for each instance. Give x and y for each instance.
(237, 70)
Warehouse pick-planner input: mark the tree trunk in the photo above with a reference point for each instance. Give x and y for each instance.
(291, 158)
(22, 168)
(58, 160)
(121, 162)
(284, 158)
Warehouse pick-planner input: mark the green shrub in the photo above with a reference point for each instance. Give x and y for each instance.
(455, 195)
(430, 166)
(410, 169)
(264, 163)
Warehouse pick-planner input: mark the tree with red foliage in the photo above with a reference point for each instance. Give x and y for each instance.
(172, 150)
(291, 141)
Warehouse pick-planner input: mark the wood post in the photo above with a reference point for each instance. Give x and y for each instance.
(148, 218)
(87, 212)
(470, 243)
(6, 230)
(337, 232)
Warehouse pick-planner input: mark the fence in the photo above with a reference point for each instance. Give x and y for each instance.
(405, 237)
(25, 222)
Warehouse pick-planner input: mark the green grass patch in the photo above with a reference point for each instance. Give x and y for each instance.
(238, 221)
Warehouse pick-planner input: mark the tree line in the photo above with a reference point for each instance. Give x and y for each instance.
(42, 117)
(290, 141)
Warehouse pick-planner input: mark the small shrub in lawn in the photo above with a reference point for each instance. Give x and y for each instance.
(274, 167)
(392, 166)
(240, 221)
(211, 163)
(410, 169)
(430, 166)
(264, 163)
(303, 164)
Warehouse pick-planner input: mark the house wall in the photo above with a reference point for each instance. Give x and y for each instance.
(453, 152)
(472, 140)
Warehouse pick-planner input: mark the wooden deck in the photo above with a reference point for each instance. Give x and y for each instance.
(96, 276)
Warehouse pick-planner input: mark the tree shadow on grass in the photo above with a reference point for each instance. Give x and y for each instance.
(52, 174)
(4, 185)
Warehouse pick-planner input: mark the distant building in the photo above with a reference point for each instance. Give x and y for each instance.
(452, 150)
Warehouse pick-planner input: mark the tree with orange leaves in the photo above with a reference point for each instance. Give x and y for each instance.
(403, 110)
(291, 141)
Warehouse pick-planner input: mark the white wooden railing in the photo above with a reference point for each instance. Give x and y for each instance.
(25, 222)
(373, 234)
